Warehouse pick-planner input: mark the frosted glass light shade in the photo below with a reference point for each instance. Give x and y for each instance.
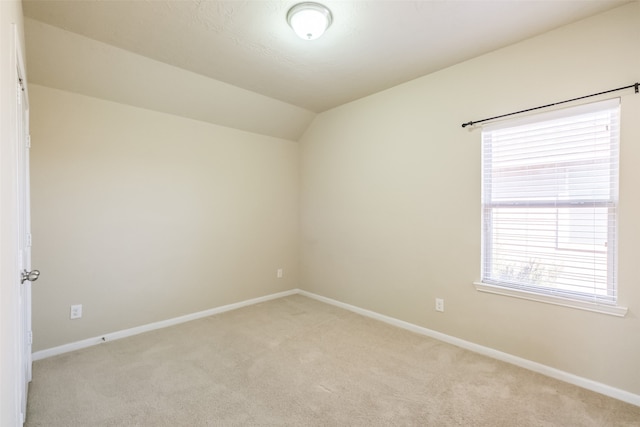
(309, 20)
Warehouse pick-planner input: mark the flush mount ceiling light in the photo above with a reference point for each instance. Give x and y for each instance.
(309, 20)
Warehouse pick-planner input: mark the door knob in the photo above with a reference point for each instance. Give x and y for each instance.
(31, 276)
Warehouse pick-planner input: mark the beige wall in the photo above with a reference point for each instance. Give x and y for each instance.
(142, 216)
(390, 199)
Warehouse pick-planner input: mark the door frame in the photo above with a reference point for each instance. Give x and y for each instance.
(13, 348)
(22, 143)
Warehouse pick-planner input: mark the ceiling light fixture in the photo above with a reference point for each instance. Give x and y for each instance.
(309, 20)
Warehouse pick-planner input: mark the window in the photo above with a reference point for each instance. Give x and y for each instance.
(549, 201)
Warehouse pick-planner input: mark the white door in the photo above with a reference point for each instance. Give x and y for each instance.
(24, 240)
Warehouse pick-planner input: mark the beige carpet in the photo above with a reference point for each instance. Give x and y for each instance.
(295, 361)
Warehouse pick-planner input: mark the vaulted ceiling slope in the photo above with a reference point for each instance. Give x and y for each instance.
(237, 63)
(64, 60)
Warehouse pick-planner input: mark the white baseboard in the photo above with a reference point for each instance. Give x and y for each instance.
(54, 351)
(585, 383)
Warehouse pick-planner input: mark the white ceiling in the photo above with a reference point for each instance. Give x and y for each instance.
(237, 63)
(371, 46)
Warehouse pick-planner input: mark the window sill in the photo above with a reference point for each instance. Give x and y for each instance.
(613, 310)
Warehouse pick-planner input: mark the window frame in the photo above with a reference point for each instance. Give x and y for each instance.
(581, 300)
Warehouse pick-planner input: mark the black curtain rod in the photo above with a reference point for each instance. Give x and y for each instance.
(635, 85)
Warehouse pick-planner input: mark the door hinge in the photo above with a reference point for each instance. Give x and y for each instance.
(30, 337)
(28, 141)
(29, 240)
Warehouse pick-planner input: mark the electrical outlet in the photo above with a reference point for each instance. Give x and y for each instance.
(76, 311)
(439, 304)
(279, 273)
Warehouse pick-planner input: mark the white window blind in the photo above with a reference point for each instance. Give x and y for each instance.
(549, 200)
